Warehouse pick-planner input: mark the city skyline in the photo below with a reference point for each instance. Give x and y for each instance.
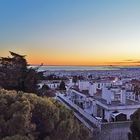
(72, 32)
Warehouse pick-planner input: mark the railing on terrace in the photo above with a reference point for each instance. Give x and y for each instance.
(93, 120)
(108, 130)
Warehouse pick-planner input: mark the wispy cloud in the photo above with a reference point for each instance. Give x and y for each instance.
(126, 62)
(129, 60)
(136, 61)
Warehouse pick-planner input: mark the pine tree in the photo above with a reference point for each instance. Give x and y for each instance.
(15, 74)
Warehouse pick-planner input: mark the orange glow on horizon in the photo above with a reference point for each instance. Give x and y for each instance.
(53, 54)
(72, 63)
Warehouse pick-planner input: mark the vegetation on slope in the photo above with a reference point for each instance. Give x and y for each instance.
(135, 126)
(26, 116)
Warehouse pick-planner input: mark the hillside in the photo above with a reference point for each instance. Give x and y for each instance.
(26, 116)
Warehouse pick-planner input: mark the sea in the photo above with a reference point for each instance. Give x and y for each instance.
(84, 68)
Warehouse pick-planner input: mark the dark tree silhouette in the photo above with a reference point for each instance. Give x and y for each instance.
(15, 74)
(135, 126)
(46, 91)
(62, 86)
(75, 79)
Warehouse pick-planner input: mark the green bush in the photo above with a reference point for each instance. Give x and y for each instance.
(26, 116)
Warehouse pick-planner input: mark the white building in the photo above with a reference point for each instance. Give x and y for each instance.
(110, 101)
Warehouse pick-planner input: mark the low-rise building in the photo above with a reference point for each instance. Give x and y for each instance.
(110, 101)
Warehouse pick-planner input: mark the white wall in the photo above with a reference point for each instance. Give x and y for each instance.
(107, 115)
(53, 85)
(92, 89)
(107, 95)
(123, 97)
(83, 85)
(118, 83)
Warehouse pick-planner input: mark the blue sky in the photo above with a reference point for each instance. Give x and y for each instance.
(71, 32)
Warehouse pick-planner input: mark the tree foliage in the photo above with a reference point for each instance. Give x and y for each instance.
(76, 78)
(26, 116)
(46, 91)
(135, 126)
(15, 74)
(62, 86)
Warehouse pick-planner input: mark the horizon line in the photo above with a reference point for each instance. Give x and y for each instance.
(88, 65)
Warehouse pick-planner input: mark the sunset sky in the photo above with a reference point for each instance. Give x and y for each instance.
(72, 32)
